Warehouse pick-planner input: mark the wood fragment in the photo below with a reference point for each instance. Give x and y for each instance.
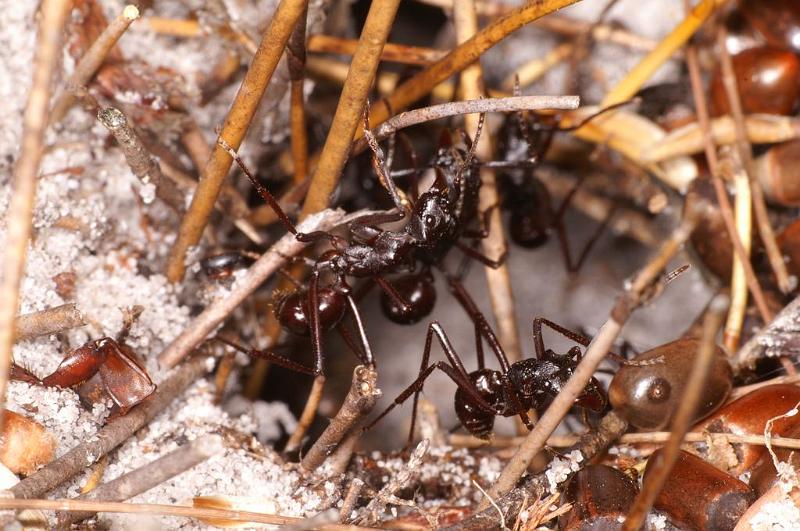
(49, 321)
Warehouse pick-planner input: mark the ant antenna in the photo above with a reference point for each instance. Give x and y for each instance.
(379, 166)
(676, 273)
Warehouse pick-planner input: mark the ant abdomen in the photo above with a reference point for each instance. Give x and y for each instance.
(474, 418)
(648, 395)
(418, 292)
(531, 214)
(292, 311)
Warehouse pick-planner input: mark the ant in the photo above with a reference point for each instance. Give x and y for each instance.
(122, 378)
(485, 393)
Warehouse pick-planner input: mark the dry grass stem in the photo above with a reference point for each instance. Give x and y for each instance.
(462, 56)
(272, 260)
(92, 59)
(397, 53)
(150, 475)
(746, 155)
(534, 69)
(469, 106)
(296, 58)
(335, 71)
(637, 291)
(350, 109)
(112, 434)
(49, 321)
(309, 409)
(655, 479)
(233, 131)
(494, 245)
(357, 404)
(23, 184)
(142, 164)
(636, 78)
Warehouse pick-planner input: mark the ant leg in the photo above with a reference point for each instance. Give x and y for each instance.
(485, 216)
(538, 342)
(379, 166)
(21, 374)
(78, 366)
(480, 257)
(281, 361)
(392, 293)
(564, 243)
(405, 143)
(314, 324)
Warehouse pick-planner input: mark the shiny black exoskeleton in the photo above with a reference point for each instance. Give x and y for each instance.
(223, 265)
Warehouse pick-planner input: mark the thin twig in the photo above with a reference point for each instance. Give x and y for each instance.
(398, 53)
(112, 434)
(527, 73)
(49, 321)
(688, 404)
(296, 59)
(260, 271)
(350, 109)
(746, 155)
(19, 216)
(148, 476)
(462, 56)
(469, 106)
(357, 404)
(350, 500)
(328, 516)
(92, 59)
(142, 164)
(309, 409)
(637, 292)
(233, 131)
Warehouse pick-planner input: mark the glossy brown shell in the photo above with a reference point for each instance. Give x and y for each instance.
(647, 396)
(599, 495)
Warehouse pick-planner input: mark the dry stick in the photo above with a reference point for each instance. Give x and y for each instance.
(494, 245)
(142, 164)
(658, 471)
(746, 155)
(148, 476)
(350, 109)
(335, 71)
(692, 62)
(590, 445)
(633, 296)
(469, 106)
(312, 402)
(233, 131)
(350, 500)
(49, 321)
(112, 434)
(398, 53)
(20, 209)
(92, 59)
(272, 260)
(462, 56)
(159, 509)
(357, 404)
(296, 59)
(636, 78)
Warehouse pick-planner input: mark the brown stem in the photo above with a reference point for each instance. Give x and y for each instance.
(49, 321)
(681, 423)
(272, 260)
(142, 164)
(112, 434)
(19, 218)
(640, 289)
(148, 476)
(350, 109)
(357, 404)
(307, 415)
(296, 58)
(398, 53)
(92, 59)
(462, 56)
(233, 131)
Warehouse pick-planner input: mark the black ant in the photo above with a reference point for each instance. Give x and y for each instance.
(485, 393)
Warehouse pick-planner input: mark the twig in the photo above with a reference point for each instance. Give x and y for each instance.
(350, 500)
(642, 72)
(233, 131)
(746, 155)
(296, 59)
(112, 434)
(469, 106)
(49, 321)
(386, 495)
(357, 404)
(329, 516)
(260, 271)
(637, 292)
(398, 53)
(142, 164)
(534, 69)
(657, 476)
(148, 476)
(494, 245)
(92, 59)
(590, 445)
(309, 409)
(462, 56)
(20, 210)
(780, 337)
(158, 509)
(350, 109)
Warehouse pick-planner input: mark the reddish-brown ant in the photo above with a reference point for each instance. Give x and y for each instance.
(122, 378)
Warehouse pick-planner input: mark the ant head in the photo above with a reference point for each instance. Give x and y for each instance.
(292, 310)
(432, 218)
